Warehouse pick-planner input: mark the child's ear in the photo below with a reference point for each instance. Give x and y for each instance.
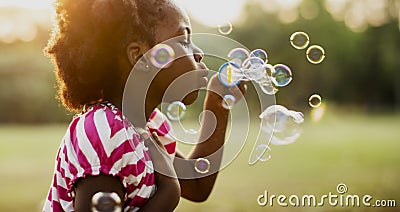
(134, 51)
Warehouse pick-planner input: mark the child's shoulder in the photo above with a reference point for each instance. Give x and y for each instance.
(101, 113)
(102, 122)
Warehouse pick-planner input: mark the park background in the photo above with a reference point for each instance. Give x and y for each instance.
(356, 140)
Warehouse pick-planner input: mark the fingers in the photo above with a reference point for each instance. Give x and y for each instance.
(243, 87)
(238, 91)
(156, 139)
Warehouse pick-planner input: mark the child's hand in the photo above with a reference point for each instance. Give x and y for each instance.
(216, 90)
(168, 189)
(162, 162)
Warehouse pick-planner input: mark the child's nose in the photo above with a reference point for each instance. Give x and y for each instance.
(198, 54)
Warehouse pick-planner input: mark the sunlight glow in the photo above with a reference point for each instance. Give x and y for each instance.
(359, 14)
(214, 12)
(20, 20)
(36, 4)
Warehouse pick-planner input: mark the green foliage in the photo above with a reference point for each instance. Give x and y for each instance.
(27, 85)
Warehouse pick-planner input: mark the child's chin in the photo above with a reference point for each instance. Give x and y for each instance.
(190, 98)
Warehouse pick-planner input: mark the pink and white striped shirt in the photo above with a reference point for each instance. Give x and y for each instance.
(102, 140)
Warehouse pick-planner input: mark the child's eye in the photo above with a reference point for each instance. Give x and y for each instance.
(185, 43)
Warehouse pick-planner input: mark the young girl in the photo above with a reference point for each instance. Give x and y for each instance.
(94, 47)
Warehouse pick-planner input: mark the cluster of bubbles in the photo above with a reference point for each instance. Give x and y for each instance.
(315, 54)
(282, 125)
(253, 66)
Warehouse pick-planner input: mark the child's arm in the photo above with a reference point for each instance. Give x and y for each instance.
(168, 190)
(199, 189)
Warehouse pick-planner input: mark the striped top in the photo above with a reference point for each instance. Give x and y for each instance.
(102, 140)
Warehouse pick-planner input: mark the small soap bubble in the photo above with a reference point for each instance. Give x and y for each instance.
(202, 165)
(281, 76)
(315, 54)
(238, 55)
(161, 55)
(176, 111)
(228, 101)
(282, 124)
(225, 28)
(104, 201)
(315, 100)
(260, 54)
(254, 69)
(230, 74)
(261, 152)
(299, 40)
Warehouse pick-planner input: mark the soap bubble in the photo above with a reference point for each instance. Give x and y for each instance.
(260, 54)
(253, 69)
(104, 201)
(202, 165)
(230, 74)
(176, 111)
(238, 55)
(268, 87)
(161, 55)
(261, 152)
(315, 54)
(284, 125)
(282, 75)
(225, 28)
(228, 101)
(299, 40)
(315, 100)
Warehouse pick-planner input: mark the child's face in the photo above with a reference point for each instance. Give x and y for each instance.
(179, 80)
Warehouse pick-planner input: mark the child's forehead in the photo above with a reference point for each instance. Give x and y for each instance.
(174, 12)
(175, 22)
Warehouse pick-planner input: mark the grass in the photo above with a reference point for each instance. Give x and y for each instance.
(358, 150)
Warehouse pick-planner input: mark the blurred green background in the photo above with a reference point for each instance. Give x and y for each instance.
(355, 142)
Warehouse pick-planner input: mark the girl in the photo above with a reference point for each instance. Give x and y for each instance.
(94, 47)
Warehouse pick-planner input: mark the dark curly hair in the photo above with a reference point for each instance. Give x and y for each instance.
(89, 38)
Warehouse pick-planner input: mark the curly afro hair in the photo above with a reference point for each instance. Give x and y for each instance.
(89, 38)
